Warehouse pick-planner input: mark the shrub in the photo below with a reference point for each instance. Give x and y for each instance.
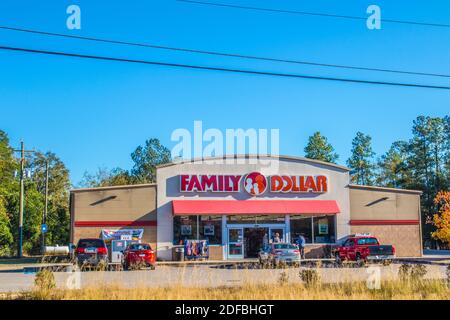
(44, 285)
(412, 273)
(418, 272)
(404, 271)
(310, 277)
(284, 278)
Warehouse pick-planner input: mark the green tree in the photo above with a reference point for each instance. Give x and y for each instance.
(361, 160)
(104, 178)
(319, 148)
(146, 158)
(428, 160)
(6, 238)
(58, 217)
(8, 186)
(393, 167)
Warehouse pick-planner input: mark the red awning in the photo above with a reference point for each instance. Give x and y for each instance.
(233, 207)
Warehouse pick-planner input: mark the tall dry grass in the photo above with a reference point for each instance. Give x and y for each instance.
(390, 290)
(411, 284)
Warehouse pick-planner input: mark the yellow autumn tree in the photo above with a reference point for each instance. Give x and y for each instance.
(442, 219)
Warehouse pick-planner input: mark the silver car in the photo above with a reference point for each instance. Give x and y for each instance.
(277, 253)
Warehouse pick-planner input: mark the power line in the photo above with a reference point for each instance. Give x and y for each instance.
(328, 15)
(242, 71)
(224, 54)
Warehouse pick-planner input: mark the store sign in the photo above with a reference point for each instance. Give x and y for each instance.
(254, 183)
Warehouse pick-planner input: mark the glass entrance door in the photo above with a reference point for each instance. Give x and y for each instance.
(235, 243)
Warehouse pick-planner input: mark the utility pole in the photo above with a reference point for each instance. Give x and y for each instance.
(44, 216)
(22, 167)
(22, 194)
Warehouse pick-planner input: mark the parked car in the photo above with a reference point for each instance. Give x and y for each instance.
(363, 248)
(91, 252)
(276, 253)
(139, 254)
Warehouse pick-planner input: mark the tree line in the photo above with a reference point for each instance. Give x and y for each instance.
(420, 163)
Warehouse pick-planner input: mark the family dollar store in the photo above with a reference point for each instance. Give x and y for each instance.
(233, 204)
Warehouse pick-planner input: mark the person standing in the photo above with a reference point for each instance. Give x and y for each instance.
(276, 238)
(301, 242)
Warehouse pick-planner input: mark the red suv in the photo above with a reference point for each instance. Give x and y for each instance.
(139, 254)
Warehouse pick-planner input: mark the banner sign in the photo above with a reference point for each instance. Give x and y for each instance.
(134, 234)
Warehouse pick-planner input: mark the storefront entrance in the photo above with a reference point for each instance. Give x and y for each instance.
(254, 239)
(245, 241)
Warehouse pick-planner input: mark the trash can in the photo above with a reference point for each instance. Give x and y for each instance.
(178, 253)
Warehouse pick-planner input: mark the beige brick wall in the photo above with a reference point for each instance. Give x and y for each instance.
(405, 238)
(383, 205)
(128, 203)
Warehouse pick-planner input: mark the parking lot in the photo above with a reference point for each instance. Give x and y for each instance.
(200, 276)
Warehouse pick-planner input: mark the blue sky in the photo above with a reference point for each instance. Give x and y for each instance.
(94, 113)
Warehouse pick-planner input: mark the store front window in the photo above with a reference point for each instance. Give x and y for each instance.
(315, 229)
(324, 229)
(197, 228)
(301, 225)
(184, 228)
(211, 229)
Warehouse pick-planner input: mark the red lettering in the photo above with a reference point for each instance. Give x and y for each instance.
(209, 183)
(194, 183)
(276, 183)
(235, 180)
(310, 184)
(295, 186)
(287, 184)
(322, 185)
(302, 184)
(227, 188)
(184, 179)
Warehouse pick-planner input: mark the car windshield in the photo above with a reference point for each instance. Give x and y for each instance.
(370, 241)
(88, 243)
(285, 246)
(139, 246)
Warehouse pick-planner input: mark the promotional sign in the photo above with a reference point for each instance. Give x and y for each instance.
(134, 234)
(254, 183)
(323, 226)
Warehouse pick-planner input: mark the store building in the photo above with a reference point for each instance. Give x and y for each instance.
(238, 204)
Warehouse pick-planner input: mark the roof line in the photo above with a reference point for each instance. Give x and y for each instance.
(142, 185)
(357, 186)
(251, 156)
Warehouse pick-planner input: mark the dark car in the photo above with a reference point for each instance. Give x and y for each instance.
(139, 254)
(92, 252)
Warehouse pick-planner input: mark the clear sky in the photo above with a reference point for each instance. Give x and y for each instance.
(94, 113)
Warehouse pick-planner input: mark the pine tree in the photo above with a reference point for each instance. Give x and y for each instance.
(318, 148)
(393, 168)
(361, 161)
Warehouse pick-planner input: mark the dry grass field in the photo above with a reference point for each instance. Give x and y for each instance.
(411, 285)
